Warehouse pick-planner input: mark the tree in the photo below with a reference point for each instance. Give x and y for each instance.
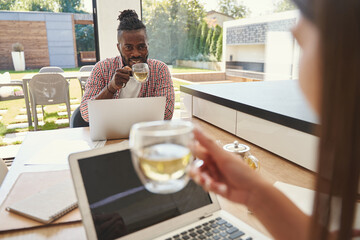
(208, 41)
(84, 38)
(34, 5)
(6, 4)
(219, 46)
(171, 26)
(232, 8)
(73, 6)
(204, 31)
(214, 39)
(284, 5)
(197, 40)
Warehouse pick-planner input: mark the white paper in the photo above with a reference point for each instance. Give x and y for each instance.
(57, 152)
(302, 197)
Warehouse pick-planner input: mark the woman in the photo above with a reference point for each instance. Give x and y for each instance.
(329, 34)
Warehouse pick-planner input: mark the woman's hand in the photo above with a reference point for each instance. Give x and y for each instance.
(222, 172)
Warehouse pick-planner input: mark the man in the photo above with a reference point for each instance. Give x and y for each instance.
(111, 78)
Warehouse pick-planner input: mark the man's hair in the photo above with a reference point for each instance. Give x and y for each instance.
(129, 20)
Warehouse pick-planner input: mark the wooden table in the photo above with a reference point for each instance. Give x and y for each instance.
(273, 168)
(28, 77)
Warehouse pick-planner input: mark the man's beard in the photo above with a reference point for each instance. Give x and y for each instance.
(126, 63)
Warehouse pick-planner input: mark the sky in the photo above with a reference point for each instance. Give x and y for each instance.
(257, 7)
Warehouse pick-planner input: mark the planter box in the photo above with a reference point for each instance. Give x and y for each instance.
(217, 66)
(18, 61)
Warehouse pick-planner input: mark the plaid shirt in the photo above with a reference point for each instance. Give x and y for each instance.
(158, 84)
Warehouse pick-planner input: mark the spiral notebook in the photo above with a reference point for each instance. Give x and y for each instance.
(47, 205)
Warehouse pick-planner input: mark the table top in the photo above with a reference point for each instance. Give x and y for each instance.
(273, 168)
(67, 75)
(280, 102)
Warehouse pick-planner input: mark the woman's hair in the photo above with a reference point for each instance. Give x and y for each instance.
(129, 20)
(338, 23)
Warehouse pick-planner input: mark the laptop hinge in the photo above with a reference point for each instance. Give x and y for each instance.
(205, 216)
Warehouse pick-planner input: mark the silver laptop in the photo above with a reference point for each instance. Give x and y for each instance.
(115, 205)
(113, 118)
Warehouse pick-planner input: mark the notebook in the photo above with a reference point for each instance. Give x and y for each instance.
(47, 205)
(115, 205)
(113, 118)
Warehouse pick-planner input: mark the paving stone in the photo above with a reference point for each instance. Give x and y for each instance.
(3, 111)
(37, 109)
(13, 137)
(63, 113)
(0, 117)
(61, 121)
(21, 117)
(22, 125)
(17, 125)
(9, 151)
(72, 106)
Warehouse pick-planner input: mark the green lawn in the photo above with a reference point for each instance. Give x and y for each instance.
(14, 107)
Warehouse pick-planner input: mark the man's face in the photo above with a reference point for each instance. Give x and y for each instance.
(133, 47)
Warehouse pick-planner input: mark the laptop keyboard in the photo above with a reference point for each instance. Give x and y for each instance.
(217, 229)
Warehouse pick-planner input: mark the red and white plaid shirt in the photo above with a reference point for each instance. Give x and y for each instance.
(158, 84)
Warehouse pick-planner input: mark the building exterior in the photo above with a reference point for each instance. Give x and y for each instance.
(48, 38)
(262, 44)
(214, 18)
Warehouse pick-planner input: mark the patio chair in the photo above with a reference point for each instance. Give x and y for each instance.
(48, 89)
(82, 80)
(77, 120)
(3, 170)
(51, 69)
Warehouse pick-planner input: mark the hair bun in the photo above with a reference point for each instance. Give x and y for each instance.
(127, 14)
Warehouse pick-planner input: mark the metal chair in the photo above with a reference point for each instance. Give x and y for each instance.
(82, 80)
(48, 89)
(51, 69)
(3, 170)
(77, 120)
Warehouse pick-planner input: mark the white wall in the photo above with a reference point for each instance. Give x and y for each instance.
(107, 14)
(246, 53)
(279, 54)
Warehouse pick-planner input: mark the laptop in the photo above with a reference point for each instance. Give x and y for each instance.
(113, 118)
(115, 205)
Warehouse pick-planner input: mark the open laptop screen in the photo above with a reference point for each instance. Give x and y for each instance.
(119, 203)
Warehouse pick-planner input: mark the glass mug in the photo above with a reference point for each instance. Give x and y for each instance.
(140, 72)
(161, 155)
(244, 151)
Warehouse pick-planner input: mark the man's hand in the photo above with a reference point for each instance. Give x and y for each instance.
(120, 78)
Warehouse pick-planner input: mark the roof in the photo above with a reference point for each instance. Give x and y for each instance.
(213, 12)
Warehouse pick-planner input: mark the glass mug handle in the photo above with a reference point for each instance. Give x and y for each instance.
(252, 161)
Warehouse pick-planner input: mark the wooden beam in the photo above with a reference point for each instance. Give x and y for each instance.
(84, 22)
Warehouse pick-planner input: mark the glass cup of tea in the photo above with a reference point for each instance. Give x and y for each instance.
(140, 72)
(161, 155)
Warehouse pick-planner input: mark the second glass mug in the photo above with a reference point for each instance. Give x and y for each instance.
(140, 72)
(161, 155)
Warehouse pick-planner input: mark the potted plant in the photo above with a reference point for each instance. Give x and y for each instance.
(18, 56)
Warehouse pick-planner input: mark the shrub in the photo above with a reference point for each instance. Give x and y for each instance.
(17, 47)
(219, 46)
